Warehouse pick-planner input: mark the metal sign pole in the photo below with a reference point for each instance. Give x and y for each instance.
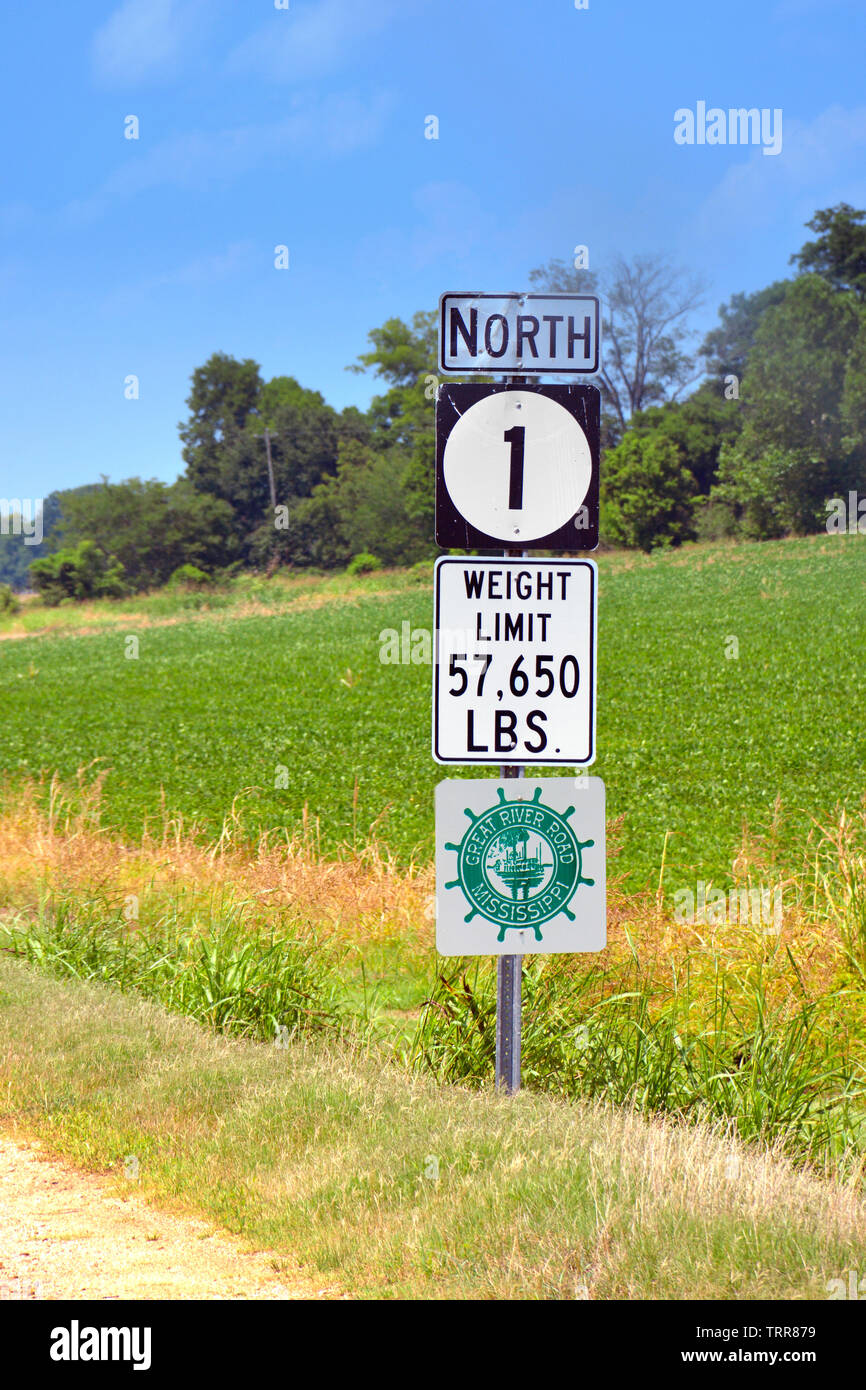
(509, 969)
(509, 977)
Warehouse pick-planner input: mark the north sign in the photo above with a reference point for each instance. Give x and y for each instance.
(519, 334)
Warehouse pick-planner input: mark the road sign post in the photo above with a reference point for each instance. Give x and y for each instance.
(509, 999)
(519, 862)
(509, 1007)
(517, 466)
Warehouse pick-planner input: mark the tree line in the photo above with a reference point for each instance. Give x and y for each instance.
(751, 433)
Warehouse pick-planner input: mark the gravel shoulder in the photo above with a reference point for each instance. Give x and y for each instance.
(66, 1234)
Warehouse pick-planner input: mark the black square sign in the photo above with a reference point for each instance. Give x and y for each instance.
(517, 467)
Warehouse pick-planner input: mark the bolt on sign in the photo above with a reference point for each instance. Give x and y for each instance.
(514, 661)
(520, 866)
(518, 334)
(517, 466)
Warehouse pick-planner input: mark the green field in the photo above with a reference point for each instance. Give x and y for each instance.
(691, 741)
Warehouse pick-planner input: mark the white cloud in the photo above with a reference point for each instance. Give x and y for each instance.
(313, 39)
(822, 162)
(200, 160)
(145, 40)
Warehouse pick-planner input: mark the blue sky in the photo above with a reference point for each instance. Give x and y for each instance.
(305, 127)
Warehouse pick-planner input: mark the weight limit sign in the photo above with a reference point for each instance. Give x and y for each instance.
(517, 467)
(514, 666)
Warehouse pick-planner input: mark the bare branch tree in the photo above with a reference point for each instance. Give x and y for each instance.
(646, 303)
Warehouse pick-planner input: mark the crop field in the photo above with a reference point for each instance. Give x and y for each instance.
(730, 702)
(152, 752)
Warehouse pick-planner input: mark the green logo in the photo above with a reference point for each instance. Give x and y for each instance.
(519, 864)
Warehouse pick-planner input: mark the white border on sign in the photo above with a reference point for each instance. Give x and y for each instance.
(524, 760)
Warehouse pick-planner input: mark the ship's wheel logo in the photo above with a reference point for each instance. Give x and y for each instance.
(520, 864)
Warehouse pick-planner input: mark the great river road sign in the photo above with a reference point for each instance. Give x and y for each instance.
(520, 866)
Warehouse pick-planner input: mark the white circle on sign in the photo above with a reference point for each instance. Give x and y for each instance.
(526, 485)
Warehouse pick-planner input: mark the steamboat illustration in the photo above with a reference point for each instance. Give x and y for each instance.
(512, 862)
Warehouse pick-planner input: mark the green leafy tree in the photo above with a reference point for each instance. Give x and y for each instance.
(304, 439)
(8, 602)
(854, 400)
(402, 420)
(353, 424)
(16, 555)
(364, 507)
(801, 440)
(774, 492)
(698, 426)
(225, 394)
(318, 535)
(647, 493)
(404, 356)
(150, 527)
(838, 254)
(78, 572)
(726, 347)
(229, 459)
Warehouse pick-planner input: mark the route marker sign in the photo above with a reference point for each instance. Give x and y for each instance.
(519, 334)
(517, 466)
(520, 866)
(514, 661)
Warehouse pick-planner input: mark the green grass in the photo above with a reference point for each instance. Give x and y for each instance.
(712, 1050)
(690, 741)
(698, 1041)
(303, 1148)
(283, 591)
(234, 976)
(393, 1186)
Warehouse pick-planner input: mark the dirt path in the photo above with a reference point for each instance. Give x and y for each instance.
(67, 1234)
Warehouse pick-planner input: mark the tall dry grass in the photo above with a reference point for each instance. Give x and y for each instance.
(53, 841)
(53, 845)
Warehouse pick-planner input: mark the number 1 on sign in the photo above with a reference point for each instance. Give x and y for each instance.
(516, 437)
